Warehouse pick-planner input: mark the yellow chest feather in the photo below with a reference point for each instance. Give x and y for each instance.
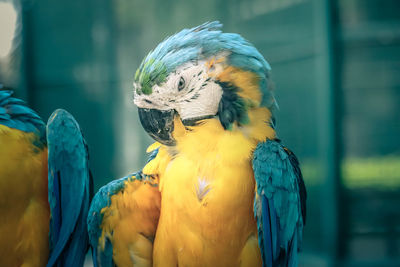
(24, 223)
(207, 197)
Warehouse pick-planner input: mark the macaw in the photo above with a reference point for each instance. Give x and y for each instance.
(45, 187)
(219, 187)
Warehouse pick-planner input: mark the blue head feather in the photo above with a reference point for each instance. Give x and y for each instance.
(198, 43)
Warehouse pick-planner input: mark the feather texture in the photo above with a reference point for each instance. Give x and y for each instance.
(24, 224)
(203, 42)
(102, 257)
(101, 226)
(15, 114)
(208, 187)
(280, 203)
(69, 190)
(58, 177)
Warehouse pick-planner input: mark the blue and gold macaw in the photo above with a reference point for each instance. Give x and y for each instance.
(219, 188)
(44, 187)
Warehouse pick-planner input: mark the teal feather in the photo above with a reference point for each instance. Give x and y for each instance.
(68, 177)
(280, 205)
(15, 114)
(69, 190)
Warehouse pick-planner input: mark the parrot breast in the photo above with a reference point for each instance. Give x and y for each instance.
(24, 224)
(207, 197)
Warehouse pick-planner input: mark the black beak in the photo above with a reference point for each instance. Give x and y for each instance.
(159, 124)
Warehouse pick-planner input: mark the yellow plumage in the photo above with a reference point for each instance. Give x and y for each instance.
(23, 187)
(207, 188)
(247, 81)
(131, 220)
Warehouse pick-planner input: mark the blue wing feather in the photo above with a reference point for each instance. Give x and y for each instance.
(15, 114)
(103, 199)
(68, 179)
(267, 233)
(280, 203)
(69, 190)
(274, 229)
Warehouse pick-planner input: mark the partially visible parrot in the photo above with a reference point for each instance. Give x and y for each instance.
(45, 187)
(219, 188)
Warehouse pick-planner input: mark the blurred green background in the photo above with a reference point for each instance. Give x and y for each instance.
(336, 69)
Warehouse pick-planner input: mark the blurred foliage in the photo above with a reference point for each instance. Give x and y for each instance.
(380, 173)
(374, 172)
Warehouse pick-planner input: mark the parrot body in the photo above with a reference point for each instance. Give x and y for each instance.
(207, 193)
(219, 188)
(24, 224)
(38, 226)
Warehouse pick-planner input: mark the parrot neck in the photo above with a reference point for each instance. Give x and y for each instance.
(242, 95)
(209, 134)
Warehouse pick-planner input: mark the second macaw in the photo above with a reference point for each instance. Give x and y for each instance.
(44, 187)
(219, 188)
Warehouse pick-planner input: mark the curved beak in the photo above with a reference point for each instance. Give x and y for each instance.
(159, 124)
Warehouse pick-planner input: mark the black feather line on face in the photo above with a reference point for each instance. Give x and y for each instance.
(232, 107)
(195, 96)
(196, 121)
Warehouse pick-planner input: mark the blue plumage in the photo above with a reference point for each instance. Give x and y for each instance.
(280, 204)
(267, 240)
(15, 114)
(68, 176)
(69, 190)
(198, 43)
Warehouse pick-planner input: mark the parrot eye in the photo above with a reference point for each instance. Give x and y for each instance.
(181, 84)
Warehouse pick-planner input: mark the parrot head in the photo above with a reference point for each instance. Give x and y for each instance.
(197, 74)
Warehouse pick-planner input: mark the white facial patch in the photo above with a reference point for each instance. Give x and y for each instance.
(189, 90)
